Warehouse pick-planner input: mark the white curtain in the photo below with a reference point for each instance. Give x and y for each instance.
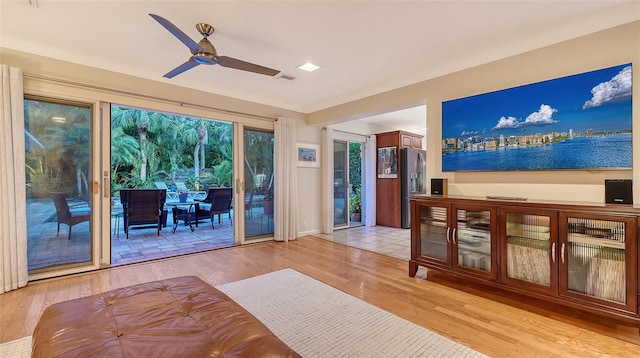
(327, 180)
(370, 176)
(13, 225)
(286, 181)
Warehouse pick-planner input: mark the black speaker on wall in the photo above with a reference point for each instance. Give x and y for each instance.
(438, 186)
(618, 191)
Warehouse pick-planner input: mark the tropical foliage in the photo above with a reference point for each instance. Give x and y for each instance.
(58, 147)
(168, 148)
(146, 147)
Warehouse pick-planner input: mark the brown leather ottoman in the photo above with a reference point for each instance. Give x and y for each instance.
(178, 317)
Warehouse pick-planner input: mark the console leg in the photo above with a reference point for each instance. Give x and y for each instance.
(413, 269)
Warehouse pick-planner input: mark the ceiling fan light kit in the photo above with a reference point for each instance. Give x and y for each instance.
(204, 53)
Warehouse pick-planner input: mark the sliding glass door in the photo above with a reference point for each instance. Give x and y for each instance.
(259, 183)
(79, 155)
(347, 183)
(58, 158)
(340, 184)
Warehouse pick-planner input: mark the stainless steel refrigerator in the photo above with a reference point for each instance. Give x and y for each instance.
(413, 179)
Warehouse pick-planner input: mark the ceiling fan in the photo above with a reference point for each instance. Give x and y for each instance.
(203, 52)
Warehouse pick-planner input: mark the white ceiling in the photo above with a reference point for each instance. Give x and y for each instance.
(364, 47)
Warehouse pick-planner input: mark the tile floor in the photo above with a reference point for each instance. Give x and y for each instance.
(381, 239)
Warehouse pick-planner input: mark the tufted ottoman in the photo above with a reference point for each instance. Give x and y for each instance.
(178, 317)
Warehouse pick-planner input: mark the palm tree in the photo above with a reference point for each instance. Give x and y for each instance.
(146, 123)
(258, 147)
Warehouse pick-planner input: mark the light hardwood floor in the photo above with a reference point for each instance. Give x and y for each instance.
(496, 323)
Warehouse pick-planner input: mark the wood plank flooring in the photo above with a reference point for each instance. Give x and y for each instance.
(496, 323)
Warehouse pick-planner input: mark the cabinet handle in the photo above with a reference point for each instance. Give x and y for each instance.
(453, 237)
(448, 229)
(553, 252)
(562, 253)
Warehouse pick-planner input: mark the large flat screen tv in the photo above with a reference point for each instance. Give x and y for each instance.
(581, 121)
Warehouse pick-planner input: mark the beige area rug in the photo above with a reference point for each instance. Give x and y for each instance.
(317, 320)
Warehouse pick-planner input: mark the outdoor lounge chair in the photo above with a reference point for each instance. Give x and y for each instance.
(143, 207)
(220, 204)
(171, 194)
(67, 216)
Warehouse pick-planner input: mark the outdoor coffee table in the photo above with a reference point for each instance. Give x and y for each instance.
(181, 211)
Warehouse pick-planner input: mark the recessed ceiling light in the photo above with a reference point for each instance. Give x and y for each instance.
(309, 67)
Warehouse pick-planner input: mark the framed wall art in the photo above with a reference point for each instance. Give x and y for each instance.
(308, 155)
(388, 162)
(582, 121)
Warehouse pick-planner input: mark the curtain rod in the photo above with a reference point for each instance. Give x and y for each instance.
(138, 95)
(341, 131)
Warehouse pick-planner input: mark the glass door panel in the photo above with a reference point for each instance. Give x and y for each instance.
(58, 163)
(340, 184)
(528, 248)
(356, 199)
(259, 180)
(434, 233)
(474, 239)
(596, 258)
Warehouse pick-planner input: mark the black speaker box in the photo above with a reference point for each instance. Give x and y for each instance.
(438, 186)
(618, 191)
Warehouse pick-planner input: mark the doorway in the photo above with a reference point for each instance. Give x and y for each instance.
(191, 160)
(347, 182)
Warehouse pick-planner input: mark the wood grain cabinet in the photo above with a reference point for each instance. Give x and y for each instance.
(583, 256)
(459, 237)
(388, 196)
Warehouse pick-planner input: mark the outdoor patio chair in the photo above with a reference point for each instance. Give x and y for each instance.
(143, 207)
(220, 204)
(68, 216)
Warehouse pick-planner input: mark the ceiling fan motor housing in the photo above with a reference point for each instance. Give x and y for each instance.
(208, 55)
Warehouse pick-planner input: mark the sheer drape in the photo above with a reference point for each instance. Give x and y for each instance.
(370, 176)
(327, 180)
(13, 226)
(286, 179)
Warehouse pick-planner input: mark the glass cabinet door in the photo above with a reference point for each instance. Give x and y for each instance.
(530, 249)
(473, 239)
(595, 258)
(434, 233)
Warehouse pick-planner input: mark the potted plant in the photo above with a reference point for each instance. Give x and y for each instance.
(355, 207)
(182, 195)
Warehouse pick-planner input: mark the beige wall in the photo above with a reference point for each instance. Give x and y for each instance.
(615, 46)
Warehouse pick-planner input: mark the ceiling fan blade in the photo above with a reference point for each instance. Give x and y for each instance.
(231, 62)
(192, 45)
(185, 66)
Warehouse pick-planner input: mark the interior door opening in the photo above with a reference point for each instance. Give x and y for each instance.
(347, 183)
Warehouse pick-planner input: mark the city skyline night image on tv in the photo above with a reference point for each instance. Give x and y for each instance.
(581, 121)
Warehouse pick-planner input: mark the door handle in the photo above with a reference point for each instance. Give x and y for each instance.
(553, 252)
(453, 237)
(448, 229)
(562, 253)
